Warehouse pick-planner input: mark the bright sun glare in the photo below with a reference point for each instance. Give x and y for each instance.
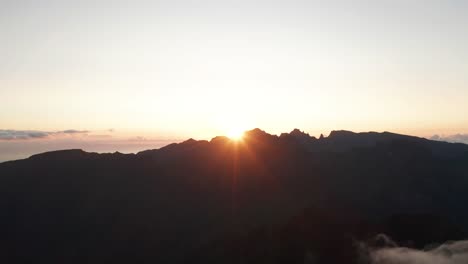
(233, 125)
(235, 133)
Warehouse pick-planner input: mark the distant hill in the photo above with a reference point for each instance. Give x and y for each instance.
(291, 198)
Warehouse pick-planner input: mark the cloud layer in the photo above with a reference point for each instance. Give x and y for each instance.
(448, 253)
(34, 134)
(456, 138)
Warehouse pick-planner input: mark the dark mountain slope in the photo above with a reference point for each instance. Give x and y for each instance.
(171, 204)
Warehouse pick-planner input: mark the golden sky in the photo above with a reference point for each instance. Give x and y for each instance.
(179, 69)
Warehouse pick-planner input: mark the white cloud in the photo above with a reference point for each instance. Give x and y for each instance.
(456, 138)
(448, 253)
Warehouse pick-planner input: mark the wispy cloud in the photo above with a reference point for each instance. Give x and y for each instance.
(459, 138)
(8, 134)
(21, 134)
(73, 131)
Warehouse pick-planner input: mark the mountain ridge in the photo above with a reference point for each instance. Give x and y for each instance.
(352, 139)
(262, 199)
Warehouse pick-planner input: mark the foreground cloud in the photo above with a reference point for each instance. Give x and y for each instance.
(34, 134)
(449, 253)
(457, 138)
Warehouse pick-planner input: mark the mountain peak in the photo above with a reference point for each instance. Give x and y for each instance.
(189, 141)
(255, 133)
(297, 132)
(300, 135)
(61, 154)
(218, 139)
(341, 133)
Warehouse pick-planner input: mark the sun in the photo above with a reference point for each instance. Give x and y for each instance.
(232, 124)
(235, 133)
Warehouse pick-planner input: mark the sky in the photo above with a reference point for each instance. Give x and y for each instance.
(128, 75)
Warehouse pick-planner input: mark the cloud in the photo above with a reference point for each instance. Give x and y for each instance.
(73, 131)
(456, 138)
(455, 252)
(22, 134)
(8, 134)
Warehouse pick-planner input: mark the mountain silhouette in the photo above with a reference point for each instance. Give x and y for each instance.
(291, 198)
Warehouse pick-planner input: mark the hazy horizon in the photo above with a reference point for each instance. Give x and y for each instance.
(22, 144)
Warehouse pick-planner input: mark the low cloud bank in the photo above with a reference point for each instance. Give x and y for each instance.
(457, 138)
(34, 134)
(21, 134)
(455, 252)
(20, 149)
